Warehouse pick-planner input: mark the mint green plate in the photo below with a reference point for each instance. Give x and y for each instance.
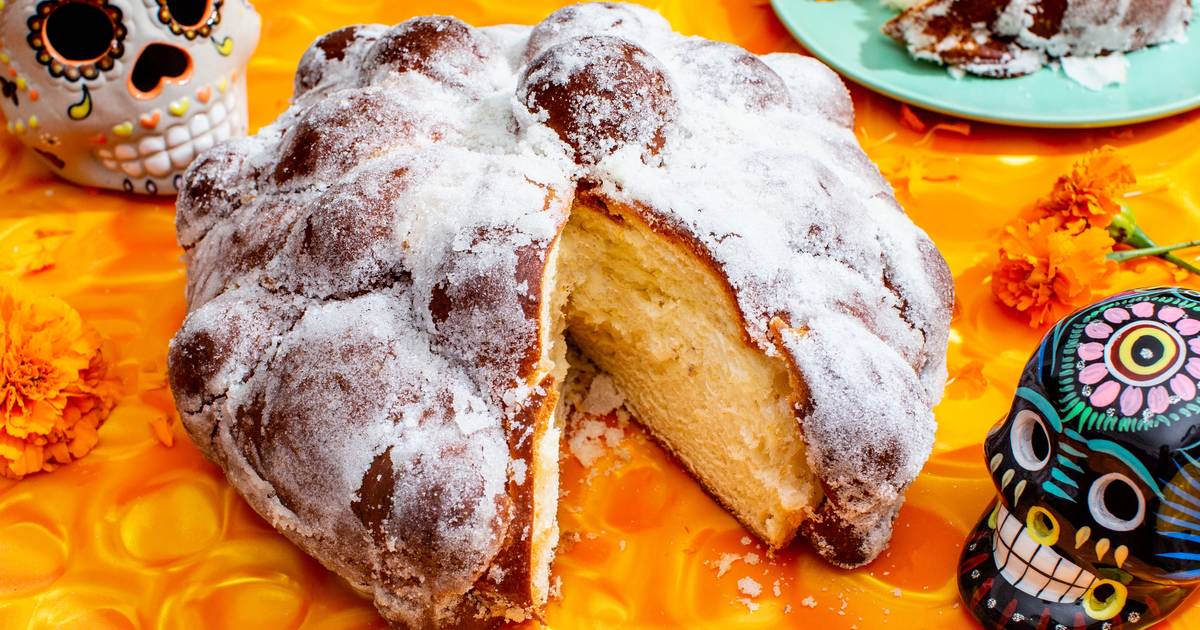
(845, 34)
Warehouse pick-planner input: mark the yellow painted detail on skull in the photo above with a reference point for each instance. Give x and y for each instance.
(123, 130)
(1082, 536)
(83, 108)
(180, 107)
(1121, 555)
(224, 46)
(1102, 548)
(1042, 526)
(1105, 599)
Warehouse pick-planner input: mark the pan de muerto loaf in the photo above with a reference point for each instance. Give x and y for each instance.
(382, 284)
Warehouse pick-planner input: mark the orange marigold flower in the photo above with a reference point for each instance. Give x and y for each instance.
(1046, 272)
(54, 393)
(1087, 196)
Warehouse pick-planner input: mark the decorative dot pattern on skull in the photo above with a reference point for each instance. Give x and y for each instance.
(1136, 362)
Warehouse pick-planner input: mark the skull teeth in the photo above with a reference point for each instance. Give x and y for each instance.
(161, 155)
(1033, 568)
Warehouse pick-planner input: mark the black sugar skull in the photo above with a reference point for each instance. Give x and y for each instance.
(1097, 464)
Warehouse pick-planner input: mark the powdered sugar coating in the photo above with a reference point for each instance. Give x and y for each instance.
(630, 22)
(367, 277)
(1008, 38)
(333, 55)
(441, 48)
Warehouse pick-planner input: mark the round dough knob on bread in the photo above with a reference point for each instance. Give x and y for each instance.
(601, 94)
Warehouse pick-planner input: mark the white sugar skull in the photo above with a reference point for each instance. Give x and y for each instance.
(123, 94)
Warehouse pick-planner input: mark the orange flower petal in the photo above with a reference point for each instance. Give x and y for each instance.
(1046, 271)
(56, 393)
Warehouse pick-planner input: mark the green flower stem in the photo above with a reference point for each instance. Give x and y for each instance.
(1130, 254)
(1124, 229)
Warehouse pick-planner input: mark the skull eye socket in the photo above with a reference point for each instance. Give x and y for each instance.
(79, 32)
(1116, 502)
(76, 39)
(1030, 441)
(190, 18)
(188, 13)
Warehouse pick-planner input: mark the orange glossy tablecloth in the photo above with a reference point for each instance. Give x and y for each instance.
(141, 535)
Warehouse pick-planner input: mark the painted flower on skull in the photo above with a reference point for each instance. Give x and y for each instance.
(1142, 358)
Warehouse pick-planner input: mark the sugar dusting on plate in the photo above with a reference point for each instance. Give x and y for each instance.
(1096, 73)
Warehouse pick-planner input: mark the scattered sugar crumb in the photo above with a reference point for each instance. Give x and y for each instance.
(725, 562)
(1096, 73)
(896, 592)
(750, 604)
(776, 589)
(591, 439)
(746, 540)
(496, 574)
(748, 586)
(556, 588)
(602, 397)
(787, 610)
(621, 544)
(808, 602)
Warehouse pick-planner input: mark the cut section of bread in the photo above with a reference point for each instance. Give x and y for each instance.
(665, 324)
(1009, 38)
(381, 286)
